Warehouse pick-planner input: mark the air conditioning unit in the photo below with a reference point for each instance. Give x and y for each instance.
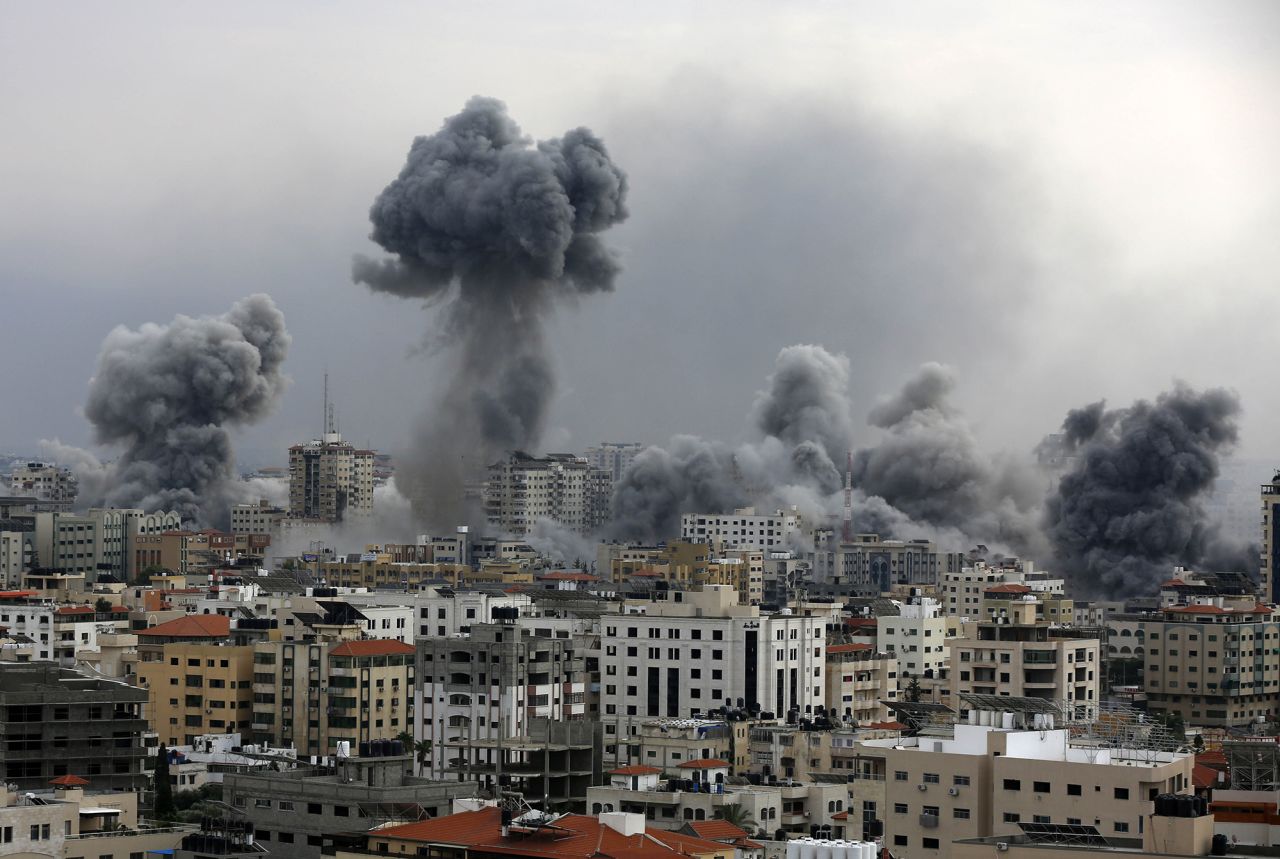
(922, 787)
(953, 791)
(1002, 846)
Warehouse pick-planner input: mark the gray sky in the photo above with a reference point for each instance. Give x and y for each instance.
(1064, 201)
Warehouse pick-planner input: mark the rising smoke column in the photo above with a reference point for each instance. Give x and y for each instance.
(499, 230)
(166, 393)
(928, 466)
(1130, 505)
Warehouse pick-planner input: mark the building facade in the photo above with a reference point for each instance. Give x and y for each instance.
(742, 529)
(559, 487)
(330, 480)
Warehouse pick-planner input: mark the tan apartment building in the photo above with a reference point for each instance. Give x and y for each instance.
(330, 480)
(313, 695)
(859, 678)
(1018, 655)
(198, 688)
(1213, 662)
(999, 769)
(184, 552)
(677, 561)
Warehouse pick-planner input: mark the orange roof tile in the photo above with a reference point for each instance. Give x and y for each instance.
(573, 836)
(704, 764)
(1008, 588)
(1203, 776)
(568, 576)
(76, 609)
(885, 726)
(191, 626)
(1216, 756)
(372, 647)
(716, 830)
(1173, 583)
(840, 815)
(635, 770)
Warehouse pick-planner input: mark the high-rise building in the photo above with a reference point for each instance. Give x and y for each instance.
(613, 457)
(1270, 569)
(330, 480)
(560, 487)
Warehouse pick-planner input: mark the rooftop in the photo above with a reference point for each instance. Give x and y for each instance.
(373, 647)
(191, 626)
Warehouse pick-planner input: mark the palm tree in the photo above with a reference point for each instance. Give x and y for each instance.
(737, 814)
(423, 750)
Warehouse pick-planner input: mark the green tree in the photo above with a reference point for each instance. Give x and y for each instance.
(737, 814)
(912, 692)
(407, 739)
(422, 749)
(163, 808)
(102, 605)
(1198, 742)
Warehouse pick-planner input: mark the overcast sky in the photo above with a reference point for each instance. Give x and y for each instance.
(1065, 201)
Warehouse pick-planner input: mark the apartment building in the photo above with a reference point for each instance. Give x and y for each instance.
(492, 684)
(45, 482)
(691, 652)
(97, 542)
(916, 636)
(1003, 767)
(261, 517)
(77, 629)
(678, 562)
(860, 677)
(740, 569)
(870, 565)
(68, 818)
(1214, 661)
(612, 458)
(1018, 654)
(330, 480)
(1269, 572)
(190, 552)
(560, 487)
(665, 744)
(58, 722)
(744, 528)
(961, 590)
(312, 695)
(17, 551)
(198, 688)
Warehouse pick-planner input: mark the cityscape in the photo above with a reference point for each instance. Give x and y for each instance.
(724, 433)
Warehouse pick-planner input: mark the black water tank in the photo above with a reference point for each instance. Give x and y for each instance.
(397, 747)
(1221, 844)
(364, 748)
(1186, 806)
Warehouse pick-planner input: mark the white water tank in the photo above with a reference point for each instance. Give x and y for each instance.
(793, 849)
(869, 850)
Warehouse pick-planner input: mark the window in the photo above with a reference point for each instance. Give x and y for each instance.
(1122, 793)
(1073, 790)
(960, 780)
(341, 811)
(929, 843)
(900, 775)
(1041, 787)
(900, 808)
(931, 778)
(1012, 817)
(314, 808)
(960, 813)
(900, 840)
(285, 805)
(6, 835)
(285, 837)
(1121, 827)
(1012, 784)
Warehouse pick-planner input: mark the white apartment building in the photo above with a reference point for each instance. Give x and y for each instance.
(700, 650)
(15, 556)
(559, 487)
(742, 529)
(260, 518)
(31, 617)
(46, 482)
(869, 564)
(917, 636)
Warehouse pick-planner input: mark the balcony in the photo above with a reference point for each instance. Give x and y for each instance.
(929, 821)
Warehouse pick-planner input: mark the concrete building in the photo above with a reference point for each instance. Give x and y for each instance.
(192, 552)
(860, 677)
(58, 722)
(1000, 768)
(260, 518)
(1269, 571)
(960, 591)
(198, 688)
(46, 482)
(330, 480)
(612, 457)
(311, 695)
(297, 813)
(492, 684)
(97, 542)
(1213, 662)
(664, 744)
(916, 636)
(17, 551)
(65, 820)
(693, 652)
(559, 487)
(1018, 654)
(870, 565)
(743, 529)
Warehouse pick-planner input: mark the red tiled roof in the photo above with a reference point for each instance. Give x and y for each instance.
(69, 781)
(568, 576)
(372, 647)
(1009, 588)
(716, 830)
(1213, 757)
(1173, 583)
(704, 764)
(13, 595)
(859, 621)
(635, 770)
(573, 836)
(840, 815)
(76, 609)
(847, 648)
(1213, 609)
(192, 626)
(1203, 776)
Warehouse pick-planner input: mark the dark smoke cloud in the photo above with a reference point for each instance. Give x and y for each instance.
(499, 229)
(928, 465)
(165, 394)
(1130, 506)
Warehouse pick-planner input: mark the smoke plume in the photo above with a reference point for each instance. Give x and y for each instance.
(165, 395)
(1130, 505)
(498, 230)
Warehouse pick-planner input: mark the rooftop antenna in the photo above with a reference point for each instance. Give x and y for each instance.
(324, 422)
(846, 531)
